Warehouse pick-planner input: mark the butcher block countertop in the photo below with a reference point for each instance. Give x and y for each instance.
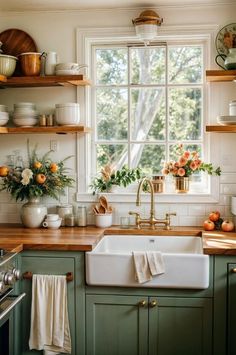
(16, 238)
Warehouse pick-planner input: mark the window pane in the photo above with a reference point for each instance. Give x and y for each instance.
(111, 66)
(185, 110)
(112, 114)
(147, 114)
(148, 157)
(185, 64)
(113, 154)
(148, 65)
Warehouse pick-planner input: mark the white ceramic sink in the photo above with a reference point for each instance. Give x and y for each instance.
(111, 262)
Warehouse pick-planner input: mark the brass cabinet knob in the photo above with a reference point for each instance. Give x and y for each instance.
(142, 303)
(153, 303)
(233, 270)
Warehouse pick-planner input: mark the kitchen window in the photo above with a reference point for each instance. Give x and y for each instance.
(146, 100)
(143, 101)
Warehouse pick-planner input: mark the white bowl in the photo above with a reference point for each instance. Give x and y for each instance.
(67, 72)
(3, 108)
(25, 122)
(103, 220)
(7, 64)
(52, 224)
(67, 66)
(52, 217)
(28, 105)
(67, 114)
(4, 118)
(30, 114)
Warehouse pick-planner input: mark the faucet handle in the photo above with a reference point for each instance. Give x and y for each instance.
(170, 214)
(137, 218)
(168, 219)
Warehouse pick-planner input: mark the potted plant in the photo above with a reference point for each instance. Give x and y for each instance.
(186, 164)
(109, 177)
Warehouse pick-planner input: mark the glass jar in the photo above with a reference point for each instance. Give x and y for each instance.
(81, 216)
(63, 210)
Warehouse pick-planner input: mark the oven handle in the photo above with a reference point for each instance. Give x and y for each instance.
(13, 303)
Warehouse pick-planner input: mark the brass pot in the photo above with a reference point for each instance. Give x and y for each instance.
(30, 63)
(181, 184)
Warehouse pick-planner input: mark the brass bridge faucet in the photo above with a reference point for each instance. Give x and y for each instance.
(152, 221)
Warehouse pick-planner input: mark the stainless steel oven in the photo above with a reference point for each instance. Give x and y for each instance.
(9, 275)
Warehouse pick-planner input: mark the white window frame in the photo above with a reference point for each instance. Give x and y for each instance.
(86, 38)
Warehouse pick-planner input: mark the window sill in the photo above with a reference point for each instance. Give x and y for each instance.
(159, 198)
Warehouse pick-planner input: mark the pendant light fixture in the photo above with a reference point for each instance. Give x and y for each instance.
(146, 25)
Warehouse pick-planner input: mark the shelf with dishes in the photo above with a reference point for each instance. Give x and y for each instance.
(220, 75)
(44, 130)
(43, 81)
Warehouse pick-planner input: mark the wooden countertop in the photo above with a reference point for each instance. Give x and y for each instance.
(17, 238)
(64, 238)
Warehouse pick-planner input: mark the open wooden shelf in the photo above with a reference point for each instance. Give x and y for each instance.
(221, 129)
(220, 75)
(43, 81)
(45, 130)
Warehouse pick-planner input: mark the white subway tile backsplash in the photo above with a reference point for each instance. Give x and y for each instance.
(228, 189)
(196, 210)
(187, 221)
(228, 178)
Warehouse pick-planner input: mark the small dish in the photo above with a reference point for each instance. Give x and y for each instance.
(67, 72)
(25, 122)
(226, 39)
(226, 118)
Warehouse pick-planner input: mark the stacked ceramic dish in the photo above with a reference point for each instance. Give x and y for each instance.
(4, 115)
(226, 120)
(231, 119)
(69, 68)
(25, 114)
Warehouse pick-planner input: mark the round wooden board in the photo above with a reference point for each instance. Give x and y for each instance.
(16, 42)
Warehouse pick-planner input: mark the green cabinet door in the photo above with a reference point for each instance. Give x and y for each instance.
(224, 305)
(116, 325)
(56, 263)
(231, 310)
(180, 326)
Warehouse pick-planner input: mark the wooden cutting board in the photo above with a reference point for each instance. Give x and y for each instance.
(16, 42)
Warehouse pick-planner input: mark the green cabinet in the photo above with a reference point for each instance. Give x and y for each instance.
(55, 263)
(225, 305)
(148, 325)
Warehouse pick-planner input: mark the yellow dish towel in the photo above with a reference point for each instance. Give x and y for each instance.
(49, 329)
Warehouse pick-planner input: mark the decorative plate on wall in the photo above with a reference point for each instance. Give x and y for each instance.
(226, 39)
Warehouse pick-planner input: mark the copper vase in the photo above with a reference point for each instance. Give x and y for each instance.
(181, 184)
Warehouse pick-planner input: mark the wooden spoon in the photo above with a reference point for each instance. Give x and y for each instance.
(103, 202)
(101, 209)
(96, 209)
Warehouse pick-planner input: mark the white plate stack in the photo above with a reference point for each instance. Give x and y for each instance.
(231, 119)
(226, 120)
(4, 115)
(25, 114)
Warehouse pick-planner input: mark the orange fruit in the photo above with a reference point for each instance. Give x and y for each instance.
(40, 178)
(4, 171)
(53, 167)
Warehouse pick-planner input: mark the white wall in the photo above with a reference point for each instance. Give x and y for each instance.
(56, 31)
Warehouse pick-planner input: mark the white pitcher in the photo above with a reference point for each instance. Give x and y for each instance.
(50, 63)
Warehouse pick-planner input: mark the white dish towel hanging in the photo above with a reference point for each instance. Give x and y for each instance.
(49, 329)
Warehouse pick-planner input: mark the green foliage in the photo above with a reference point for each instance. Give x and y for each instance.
(43, 177)
(123, 177)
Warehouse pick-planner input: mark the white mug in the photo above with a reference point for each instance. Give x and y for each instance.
(52, 224)
(50, 63)
(52, 217)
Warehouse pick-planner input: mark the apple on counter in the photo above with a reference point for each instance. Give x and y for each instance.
(215, 222)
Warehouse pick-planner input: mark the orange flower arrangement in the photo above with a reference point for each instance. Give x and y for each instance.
(42, 177)
(187, 164)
